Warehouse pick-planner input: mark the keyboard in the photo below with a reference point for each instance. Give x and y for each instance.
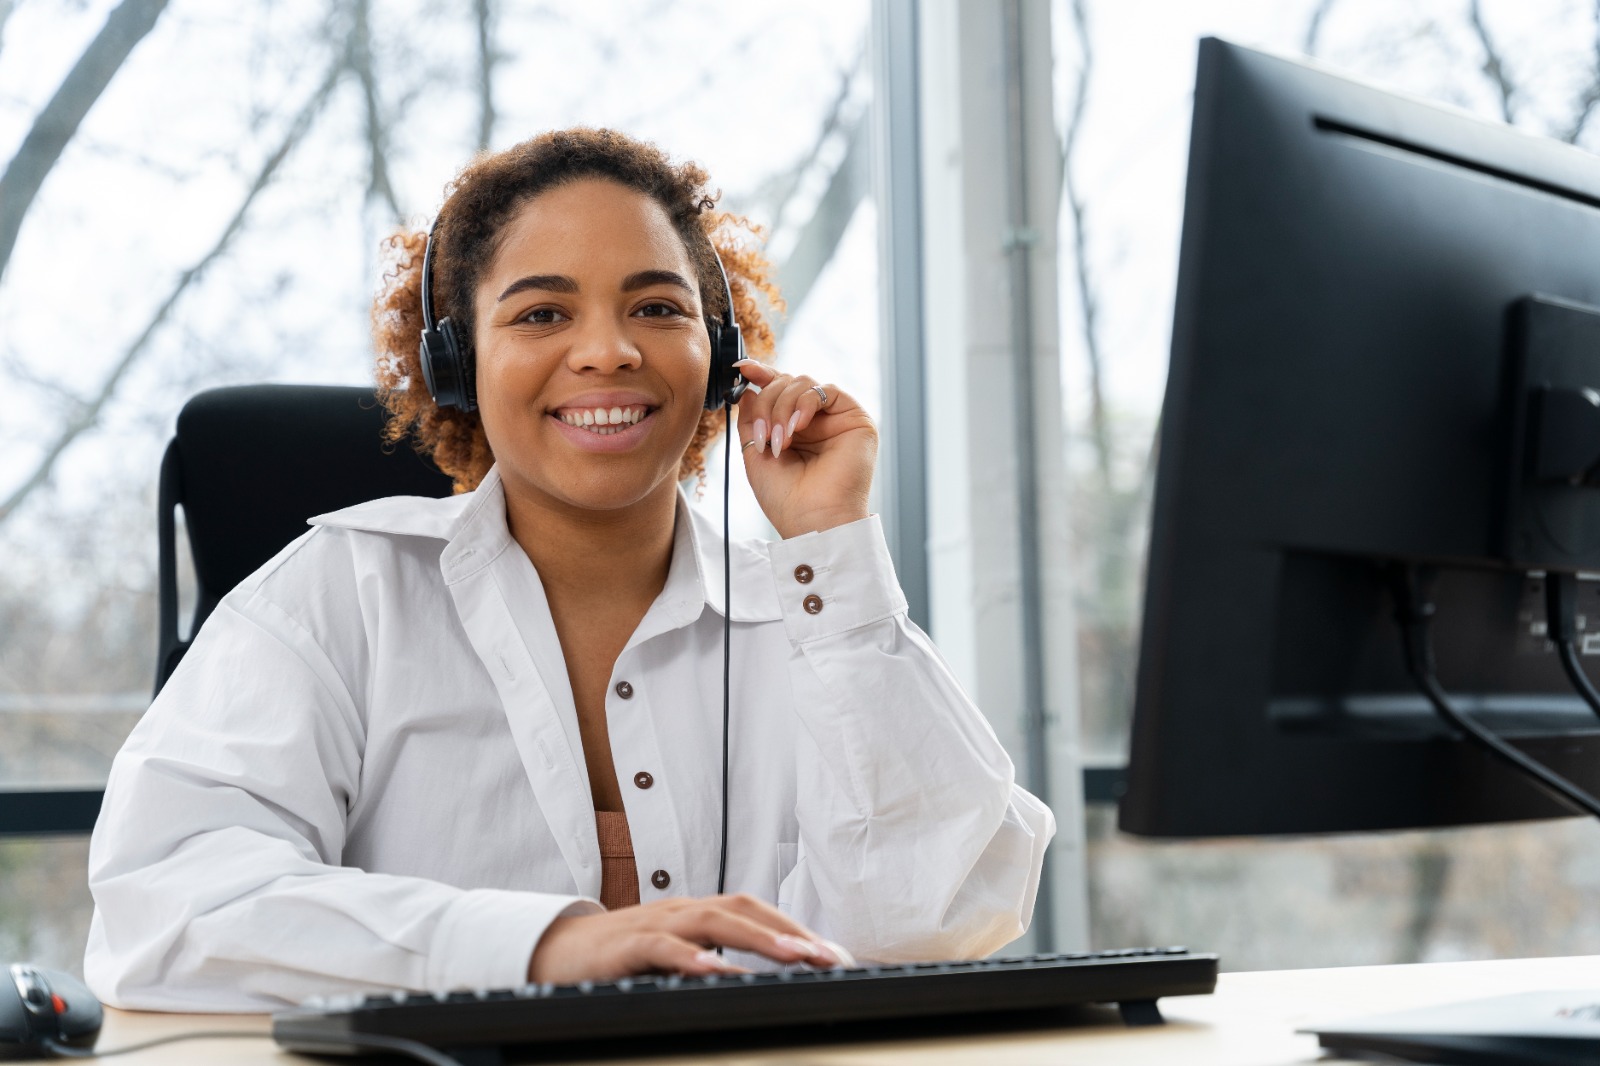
(541, 1016)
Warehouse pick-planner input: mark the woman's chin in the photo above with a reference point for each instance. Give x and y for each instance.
(609, 491)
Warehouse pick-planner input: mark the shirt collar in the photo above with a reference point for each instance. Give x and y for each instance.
(473, 525)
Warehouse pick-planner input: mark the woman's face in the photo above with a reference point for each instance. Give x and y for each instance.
(592, 354)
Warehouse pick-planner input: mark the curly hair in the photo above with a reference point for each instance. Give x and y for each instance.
(479, 203)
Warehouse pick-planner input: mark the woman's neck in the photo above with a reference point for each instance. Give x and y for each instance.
(611, 558)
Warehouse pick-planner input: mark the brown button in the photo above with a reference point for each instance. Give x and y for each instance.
(803, 574)
(813, 604)
(643, 780)
(661, 879)
(625, 690)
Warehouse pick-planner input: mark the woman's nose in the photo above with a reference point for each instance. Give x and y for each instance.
(602, 344)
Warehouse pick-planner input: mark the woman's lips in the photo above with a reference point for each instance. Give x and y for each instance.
(608, 438)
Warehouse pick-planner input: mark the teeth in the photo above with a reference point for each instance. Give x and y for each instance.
(604, 420)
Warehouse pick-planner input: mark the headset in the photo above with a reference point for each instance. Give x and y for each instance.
(447, 364)
(448, 373)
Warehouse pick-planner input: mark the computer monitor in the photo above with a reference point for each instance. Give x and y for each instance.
(1354, 360)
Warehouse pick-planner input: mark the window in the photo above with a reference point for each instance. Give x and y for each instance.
(1367, 899)
(216, 219)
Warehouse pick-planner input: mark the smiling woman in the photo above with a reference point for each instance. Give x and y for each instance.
(473, 742)
(486, 196)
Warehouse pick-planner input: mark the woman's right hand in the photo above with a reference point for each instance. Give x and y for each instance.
(674, 936)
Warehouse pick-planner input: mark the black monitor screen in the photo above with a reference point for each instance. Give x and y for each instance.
(1370, 288)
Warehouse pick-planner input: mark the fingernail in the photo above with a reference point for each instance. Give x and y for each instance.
(805, 947)
(792, 420)
(761, 433)
(711, 958)
(841, 956)
(744, 362)
(777, 440)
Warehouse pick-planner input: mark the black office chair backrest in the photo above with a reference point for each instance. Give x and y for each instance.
(249, 465)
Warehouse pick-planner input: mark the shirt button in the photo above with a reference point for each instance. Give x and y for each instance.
(813, 604)
(803, 574)
(625, 690)
(661, 879)
(643, 780)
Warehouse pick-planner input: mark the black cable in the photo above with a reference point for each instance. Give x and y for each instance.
(413, 1048)
(1414, 611)
(727, 625)
(1561, 625)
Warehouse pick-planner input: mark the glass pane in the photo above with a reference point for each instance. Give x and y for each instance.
(167, 252)
(45, 905)
(216, 220)
(1381, 898)
(1490, 892)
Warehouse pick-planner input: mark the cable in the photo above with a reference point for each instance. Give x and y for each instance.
(727, 627)
(413, 1048)
(1414, 611)
(1561, 624)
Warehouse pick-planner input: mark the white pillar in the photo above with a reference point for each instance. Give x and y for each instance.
(976, 558)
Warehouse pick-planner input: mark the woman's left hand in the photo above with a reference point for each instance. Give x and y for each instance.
(809, 465)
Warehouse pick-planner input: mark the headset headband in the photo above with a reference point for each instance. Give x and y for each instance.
(427, 276)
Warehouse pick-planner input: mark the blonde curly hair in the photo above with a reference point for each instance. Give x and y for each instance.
(478, 204)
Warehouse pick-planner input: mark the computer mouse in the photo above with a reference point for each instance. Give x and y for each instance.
(43, 1007)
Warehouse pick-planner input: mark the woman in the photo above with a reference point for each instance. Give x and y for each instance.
(420, 747)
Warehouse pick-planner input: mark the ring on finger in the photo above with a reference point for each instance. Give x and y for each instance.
(822, 394)
(747, 444)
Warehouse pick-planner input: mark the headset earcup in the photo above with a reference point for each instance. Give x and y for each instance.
(726, 384)
(444, 369)
(718, 376)
(466, 386)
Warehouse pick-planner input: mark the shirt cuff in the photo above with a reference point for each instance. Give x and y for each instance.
(835, 581)
(486, 938)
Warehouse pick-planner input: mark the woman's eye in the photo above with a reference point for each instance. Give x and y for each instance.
(659, 310)
(542, 316)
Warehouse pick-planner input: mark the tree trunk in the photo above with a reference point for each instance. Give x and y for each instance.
(55, 125)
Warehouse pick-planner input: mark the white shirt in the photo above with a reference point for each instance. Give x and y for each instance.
(367, 772)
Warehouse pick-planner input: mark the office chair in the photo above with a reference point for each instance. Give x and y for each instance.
(248, 465)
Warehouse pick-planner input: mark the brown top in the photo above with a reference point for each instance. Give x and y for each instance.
(619, 877)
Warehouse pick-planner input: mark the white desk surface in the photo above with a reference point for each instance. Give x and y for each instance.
(1250, 1021)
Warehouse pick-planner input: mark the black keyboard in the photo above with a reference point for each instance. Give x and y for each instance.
(542, 1015)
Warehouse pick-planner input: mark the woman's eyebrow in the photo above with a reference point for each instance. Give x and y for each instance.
(646, 278)
(642, 279)
(547, 282)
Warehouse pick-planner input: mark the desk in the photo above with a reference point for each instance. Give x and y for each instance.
(1250, 1021)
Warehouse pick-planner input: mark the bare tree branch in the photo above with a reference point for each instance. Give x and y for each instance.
(787, 184)
(15, 370)
(6, 7)
(378, 184)
(486, 60)
(1493, 68)
(819, 237)
(54, 126)
(88, 413)
(1313, 36)
(1076, 206)
(1590, 97)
